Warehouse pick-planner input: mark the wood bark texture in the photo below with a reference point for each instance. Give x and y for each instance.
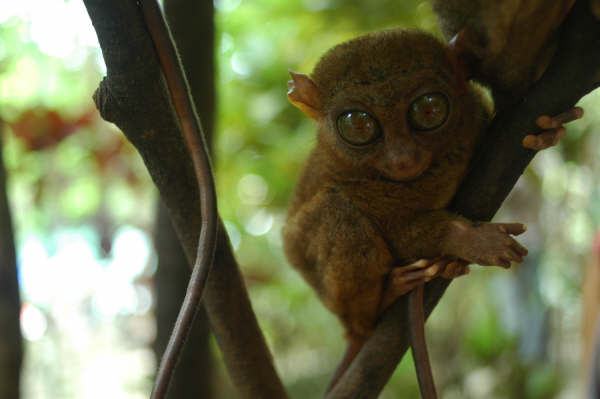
(133, 95)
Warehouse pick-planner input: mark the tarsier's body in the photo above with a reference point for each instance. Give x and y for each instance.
(397, 126)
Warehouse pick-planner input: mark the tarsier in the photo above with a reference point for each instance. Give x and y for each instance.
(511, 42)
(398, 122)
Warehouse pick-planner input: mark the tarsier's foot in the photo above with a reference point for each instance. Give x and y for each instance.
(489, 243)
(553, 129)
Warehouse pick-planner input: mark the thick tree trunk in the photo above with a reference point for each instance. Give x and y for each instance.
(11, 344)
(192, 27)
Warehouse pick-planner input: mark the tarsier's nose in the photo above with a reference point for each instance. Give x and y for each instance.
(403, 159)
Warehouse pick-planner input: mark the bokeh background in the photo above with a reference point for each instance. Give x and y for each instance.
(84, 207)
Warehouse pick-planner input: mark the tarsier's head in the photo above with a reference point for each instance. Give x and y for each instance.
(385, 103)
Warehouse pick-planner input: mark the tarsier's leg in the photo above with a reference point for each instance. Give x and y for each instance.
(403, 279)
(553, 127)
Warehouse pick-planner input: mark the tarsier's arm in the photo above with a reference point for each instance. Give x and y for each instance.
(451, 242)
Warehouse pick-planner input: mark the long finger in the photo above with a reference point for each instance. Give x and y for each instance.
(516, 246)
(422, 264)
(547, 122)
(512, 256)
(455, 269)
(424, 274)
(418, 265)
(500, 261)
(512, 228)
(544, 140)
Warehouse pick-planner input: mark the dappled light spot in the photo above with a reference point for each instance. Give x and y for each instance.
(33, 322)
(252, 189)
(260, 223)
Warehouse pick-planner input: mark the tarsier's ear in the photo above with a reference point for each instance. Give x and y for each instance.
(304, 94)
(465, 52)
(595, 4)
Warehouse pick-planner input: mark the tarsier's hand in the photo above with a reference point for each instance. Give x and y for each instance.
(488, 244)
(404, 279)
(454, 268)
(553, 129)
(446, 266)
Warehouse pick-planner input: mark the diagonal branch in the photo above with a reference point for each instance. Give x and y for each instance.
(133, 95)
(574, 72)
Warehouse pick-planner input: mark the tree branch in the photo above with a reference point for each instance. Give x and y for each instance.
(191, 25)
(133, 95)
(574, 72)
(11, 341)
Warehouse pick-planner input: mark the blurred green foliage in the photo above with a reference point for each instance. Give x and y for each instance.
(496, 333)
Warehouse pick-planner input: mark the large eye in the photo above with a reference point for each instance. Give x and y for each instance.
(428, 111)
(357, 127)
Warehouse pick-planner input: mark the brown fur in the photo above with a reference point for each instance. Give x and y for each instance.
(350, 224)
